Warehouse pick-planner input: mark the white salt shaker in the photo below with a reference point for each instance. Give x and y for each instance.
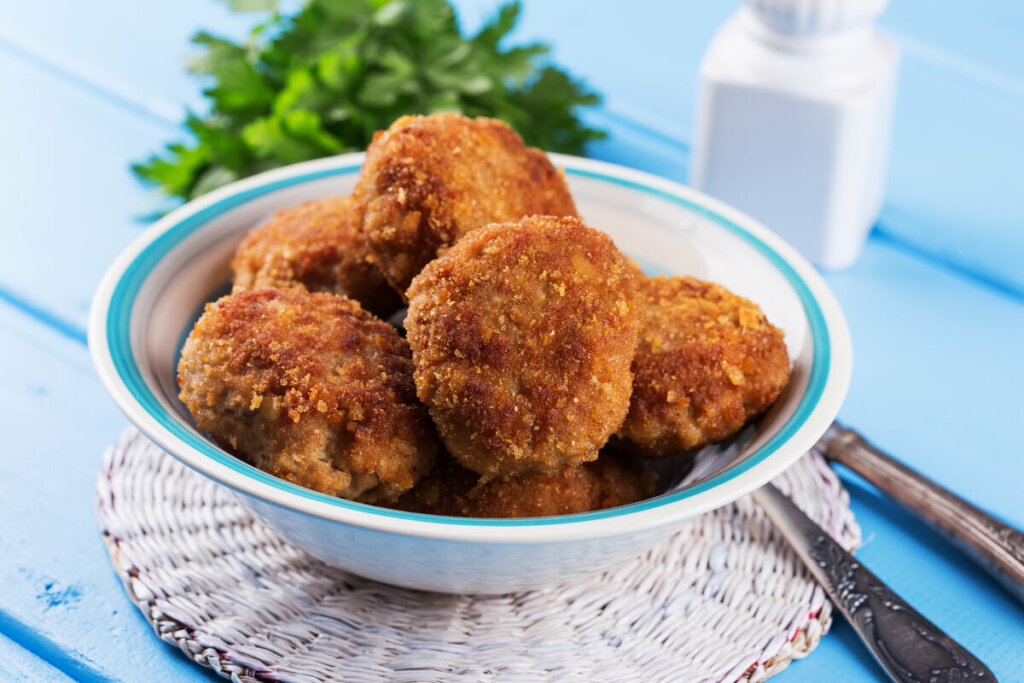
(793, 120)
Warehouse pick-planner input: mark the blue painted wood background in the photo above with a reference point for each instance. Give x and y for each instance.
(935, 305)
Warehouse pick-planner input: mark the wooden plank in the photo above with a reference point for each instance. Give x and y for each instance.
(18, 664)
(115, 49)
(937, 372)
(982, 37)
(606, 47)
(61, 598)
(954, 178)
(70, 204)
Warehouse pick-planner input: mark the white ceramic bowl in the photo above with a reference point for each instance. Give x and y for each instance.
(151, 295)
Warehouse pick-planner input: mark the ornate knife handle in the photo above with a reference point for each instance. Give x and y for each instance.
(995, 545)
(906, 645)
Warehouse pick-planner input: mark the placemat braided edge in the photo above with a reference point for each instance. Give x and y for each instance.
(207, 577)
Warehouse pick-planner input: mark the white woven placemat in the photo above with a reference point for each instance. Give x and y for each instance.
(723, 600)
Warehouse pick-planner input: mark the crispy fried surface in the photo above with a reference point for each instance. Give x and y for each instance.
(429, 180)
(317, 247)
(707, 362)
(523, 334)
(310, 388)
(453, 490)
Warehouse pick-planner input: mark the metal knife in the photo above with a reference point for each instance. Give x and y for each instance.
(909, 647)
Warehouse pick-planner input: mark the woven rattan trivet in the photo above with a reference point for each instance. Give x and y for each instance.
(722, 600)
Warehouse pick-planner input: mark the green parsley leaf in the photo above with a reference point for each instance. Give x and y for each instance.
(322, 80)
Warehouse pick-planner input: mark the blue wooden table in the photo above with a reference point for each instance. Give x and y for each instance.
(934, 305)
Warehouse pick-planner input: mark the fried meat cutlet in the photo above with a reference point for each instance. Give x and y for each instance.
(429, 180)
(310, 388)
(454, 491)
(708, 361)
(523, 335)
(317, 247)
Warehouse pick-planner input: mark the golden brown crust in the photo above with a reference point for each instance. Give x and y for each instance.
(429, 180)
(523, 334)
(316, 247)
(454, 491)
(310, 388)
(707, 362)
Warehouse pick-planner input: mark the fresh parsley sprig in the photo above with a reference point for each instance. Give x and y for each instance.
(322, 80)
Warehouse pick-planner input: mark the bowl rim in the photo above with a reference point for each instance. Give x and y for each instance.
(110, 347)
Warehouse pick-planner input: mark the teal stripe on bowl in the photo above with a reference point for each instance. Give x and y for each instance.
(128, 286)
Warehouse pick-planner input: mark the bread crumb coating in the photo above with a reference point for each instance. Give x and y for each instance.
(454, 491)
(310, 388)
(708, 361)
(523, 335)
(316, 247)
(429, 180)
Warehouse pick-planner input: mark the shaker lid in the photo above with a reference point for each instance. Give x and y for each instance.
(815, 17)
